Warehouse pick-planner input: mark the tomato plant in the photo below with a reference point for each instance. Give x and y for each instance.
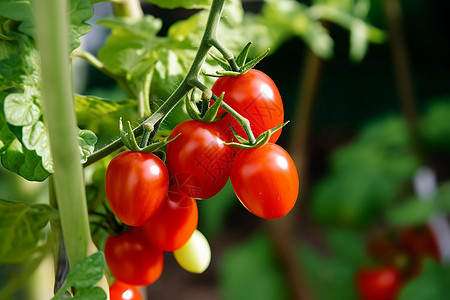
(172, 226)
(256, 97)
(122, 291)
(132, 259)
(381, 283)
(136, 186)
(265, 180)
(198, 160)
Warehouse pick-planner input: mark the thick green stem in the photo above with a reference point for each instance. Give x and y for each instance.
(51, 22)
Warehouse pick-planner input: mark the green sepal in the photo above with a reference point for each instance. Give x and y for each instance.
(206, 114)
(241, 61)
(127, 136)
(262, 139)
(129, 140)
(242, 56)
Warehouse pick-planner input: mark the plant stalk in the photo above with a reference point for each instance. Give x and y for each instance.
(51, 19)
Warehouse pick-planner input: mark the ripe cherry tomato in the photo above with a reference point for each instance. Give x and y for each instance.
(198, 160)
(172, 226)
(122, 291)
(265, 180)
(256, 97)
(132, 259)
(381, 283)
(136, 186)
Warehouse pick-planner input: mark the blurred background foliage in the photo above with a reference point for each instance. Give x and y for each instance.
(362, 148)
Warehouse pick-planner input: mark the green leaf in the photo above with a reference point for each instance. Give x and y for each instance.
(431, 284)
(188, 4)
(251, 271)
(21, 227)
(412, 212)
(23, 162)
(90, 293)
(83, 276)
(87, 140)
(80, 11)
(22, 109)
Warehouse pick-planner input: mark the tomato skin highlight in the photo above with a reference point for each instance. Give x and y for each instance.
(136, 186)
(172, 226)
(254, 96)
(198, 160)
(382, 283)
(122, 291)
(265, 180)
(132, 259)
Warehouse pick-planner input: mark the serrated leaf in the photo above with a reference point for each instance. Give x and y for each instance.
(20, 231)
(87, 140)
(80, 11)
(90, 293)
(23, 162)
(88, 272)
(83, 276)
(188, 4)
(21, 109)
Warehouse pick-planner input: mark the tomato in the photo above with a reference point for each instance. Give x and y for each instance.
(198, 160)
(122, 291)
(254, 96)
(195, 255)
(132, 259)
(420, 242)
(265, 180)
(136, 186)
(173, 225)
(382, 283)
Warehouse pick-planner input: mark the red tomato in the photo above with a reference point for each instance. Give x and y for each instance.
(136, 186)
(265, 180)
(254, 96)
(122, 291)
(378, 284)
(420, 242)
(198, 160)
(173, 225)
(132, 259)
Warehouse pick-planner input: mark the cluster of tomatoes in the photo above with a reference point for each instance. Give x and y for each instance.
(157, 200)
(400, 254)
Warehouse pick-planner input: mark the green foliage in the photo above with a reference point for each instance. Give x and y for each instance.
(80, 11)
(21, 227)
(188, 4)
(435, 127)
(251, 271)
(366, 175)
(83, 276)
(431, 284)
(414, 211)
(331, 277)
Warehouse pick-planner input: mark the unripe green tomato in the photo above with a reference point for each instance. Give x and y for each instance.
(195, 255)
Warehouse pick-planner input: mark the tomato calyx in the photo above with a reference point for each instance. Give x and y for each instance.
(201, 111)
(261, 140)
(241, 65)
(146, 145)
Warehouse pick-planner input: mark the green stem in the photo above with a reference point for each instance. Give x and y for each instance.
(128, 8)
(101, 67)
(188, 83)
(227, 54)
(51, 23)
